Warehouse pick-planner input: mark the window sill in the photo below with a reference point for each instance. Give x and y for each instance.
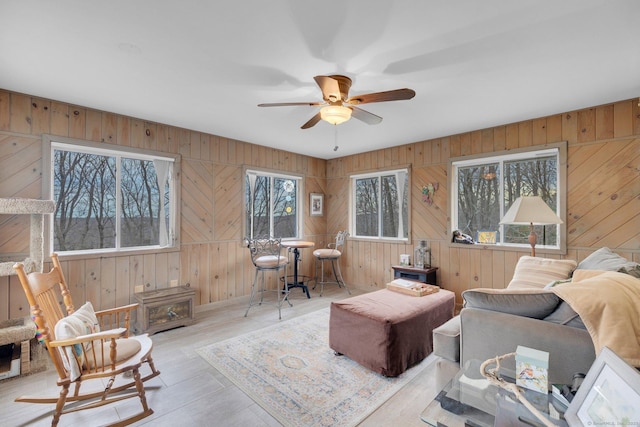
(525, 250)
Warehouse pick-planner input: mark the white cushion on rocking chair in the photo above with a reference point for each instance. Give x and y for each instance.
(82, 321)
(126, 347)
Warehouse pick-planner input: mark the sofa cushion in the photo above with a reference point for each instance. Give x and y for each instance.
(565, 315)
(537, 304)
(533, 272)
(605, 259)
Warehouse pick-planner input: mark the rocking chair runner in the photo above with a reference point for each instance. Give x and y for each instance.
(104, 352)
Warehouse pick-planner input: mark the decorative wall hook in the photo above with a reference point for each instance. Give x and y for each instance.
(428, 191)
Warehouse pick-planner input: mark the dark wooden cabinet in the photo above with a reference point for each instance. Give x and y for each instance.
(424, 275)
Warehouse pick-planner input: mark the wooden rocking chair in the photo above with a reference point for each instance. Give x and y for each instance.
(101, 350)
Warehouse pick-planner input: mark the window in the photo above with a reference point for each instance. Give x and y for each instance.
(110, 199)
(484, 188)
(272, 207)
(380, 205)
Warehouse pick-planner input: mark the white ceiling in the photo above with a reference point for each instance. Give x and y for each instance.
(205, 65)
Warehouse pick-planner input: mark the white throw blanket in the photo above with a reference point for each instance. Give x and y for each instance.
(609, 305)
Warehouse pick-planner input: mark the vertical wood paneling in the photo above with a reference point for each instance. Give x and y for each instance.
(586, 125)
(136, 271)
(161, 264)
(59, 118)
(512, 136)
(93, 123)
(93, 283)
(124, 131)
(123, 294)
(108, 277)
(149, 273)
(604, 122)
(539, 131)
(20, 114)
(109, 129)
(74, 273)
(40, 116)
(623, 119)
(5, 110)
(77, 123)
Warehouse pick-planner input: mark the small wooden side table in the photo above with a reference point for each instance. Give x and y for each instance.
(424, 275)
(164, 309)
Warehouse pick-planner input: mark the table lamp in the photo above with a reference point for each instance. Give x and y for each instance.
(530, 210)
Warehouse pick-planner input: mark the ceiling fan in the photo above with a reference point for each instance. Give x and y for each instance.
(337, 107)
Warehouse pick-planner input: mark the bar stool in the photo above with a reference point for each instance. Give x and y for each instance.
(331, 253)
(266, 256)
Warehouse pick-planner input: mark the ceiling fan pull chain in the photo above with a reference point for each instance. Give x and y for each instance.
(335, 137)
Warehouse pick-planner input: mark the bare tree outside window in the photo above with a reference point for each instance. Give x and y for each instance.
(84, 191)
(486, 189)
(381, 205)
(90, 207)
(272, 205)
(533, 177)
(367, 196)
(140, 203)
(479, 198)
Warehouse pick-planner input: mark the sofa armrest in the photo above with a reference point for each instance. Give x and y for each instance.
(486, 334)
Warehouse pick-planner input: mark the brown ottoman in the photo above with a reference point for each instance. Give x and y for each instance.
(388, 332)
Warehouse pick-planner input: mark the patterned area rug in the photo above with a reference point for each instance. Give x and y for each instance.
(291, 372)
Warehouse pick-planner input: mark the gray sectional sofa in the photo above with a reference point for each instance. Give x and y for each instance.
(529, 312)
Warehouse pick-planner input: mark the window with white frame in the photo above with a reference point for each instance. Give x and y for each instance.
(272, 205)
(380, 205)
(484, 188)
(110, 199)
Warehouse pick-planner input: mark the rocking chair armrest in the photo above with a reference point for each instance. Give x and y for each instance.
(116, 310)
(102, 335)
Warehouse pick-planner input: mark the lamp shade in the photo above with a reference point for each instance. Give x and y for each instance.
(335, 114)
(530, 210)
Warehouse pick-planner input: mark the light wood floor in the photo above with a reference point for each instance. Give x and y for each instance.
(190, 392)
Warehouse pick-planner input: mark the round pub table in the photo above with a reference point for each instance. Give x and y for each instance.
(296, 245)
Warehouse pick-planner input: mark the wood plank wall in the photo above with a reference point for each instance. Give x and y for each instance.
(603, 200)
(603, 195)
(211, 258)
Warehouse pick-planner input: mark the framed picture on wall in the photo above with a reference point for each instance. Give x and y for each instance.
(316, 204)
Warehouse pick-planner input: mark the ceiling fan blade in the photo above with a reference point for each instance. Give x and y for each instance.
(290, 104)
(365, 116)
(391, 95)
(312, 121)
(329, 87)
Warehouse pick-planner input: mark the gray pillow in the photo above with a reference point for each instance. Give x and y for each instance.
(635, 271)
(604, 259)
(537, 304)
(564, 315)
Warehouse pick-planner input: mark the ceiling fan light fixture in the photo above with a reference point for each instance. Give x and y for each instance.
(335, 114)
